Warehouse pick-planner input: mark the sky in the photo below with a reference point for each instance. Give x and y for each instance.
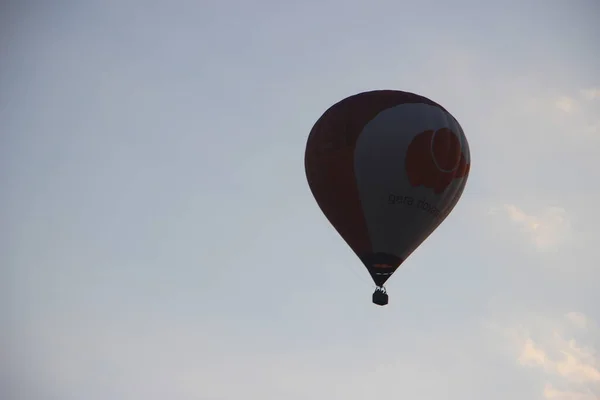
(159, 240)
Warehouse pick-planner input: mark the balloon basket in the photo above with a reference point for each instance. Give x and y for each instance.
(380, 297)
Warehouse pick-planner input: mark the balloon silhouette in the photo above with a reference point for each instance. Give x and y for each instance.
(386, 167)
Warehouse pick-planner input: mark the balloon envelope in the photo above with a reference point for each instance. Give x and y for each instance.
(386, 167)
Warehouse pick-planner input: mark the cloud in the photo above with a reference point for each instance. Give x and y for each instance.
(531, 355)
(577, 365)
(564, 351)
(591, 93)
(566, 104)
(546, 229)
(550, 392)
(572, 113)
(582, 114)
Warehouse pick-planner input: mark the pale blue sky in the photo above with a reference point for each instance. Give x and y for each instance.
(159, 240)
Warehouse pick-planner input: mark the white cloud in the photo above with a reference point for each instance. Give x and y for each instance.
(591, 93)
(550, 392)
(546, 229)
(566, 104)
(562, 113)
(564, 351)
(532, 355)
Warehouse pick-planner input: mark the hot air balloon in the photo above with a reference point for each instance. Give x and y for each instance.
(386, 167)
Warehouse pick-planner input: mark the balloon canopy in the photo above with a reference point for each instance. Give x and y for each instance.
(386, 167)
